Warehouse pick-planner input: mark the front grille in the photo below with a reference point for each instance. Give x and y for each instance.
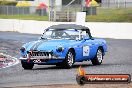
(41, 53)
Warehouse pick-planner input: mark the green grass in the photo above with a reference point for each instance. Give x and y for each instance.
(103, 15)
(110, 18)
(111, 15)
(25, 17)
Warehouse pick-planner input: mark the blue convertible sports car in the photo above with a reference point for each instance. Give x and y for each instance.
(63, 45)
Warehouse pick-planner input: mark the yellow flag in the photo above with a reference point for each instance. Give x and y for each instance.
(23, 4)
(93, 3)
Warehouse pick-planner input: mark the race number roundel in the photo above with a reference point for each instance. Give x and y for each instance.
(86, 50)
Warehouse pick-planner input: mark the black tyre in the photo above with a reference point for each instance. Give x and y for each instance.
(27, 65)
(98, 58)
(69, 60)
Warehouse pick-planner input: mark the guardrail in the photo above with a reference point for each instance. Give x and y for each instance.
(98, 29)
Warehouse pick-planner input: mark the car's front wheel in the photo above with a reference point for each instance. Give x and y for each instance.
(27, 65)
(69, 60)
(98, 58)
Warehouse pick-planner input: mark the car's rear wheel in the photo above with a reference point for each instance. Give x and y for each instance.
(27, 65)
(69, 60)
(98, 58)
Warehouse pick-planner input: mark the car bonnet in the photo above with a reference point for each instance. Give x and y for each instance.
(48, 45)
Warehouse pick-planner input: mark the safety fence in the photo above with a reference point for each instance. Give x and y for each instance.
(68, 13)
(14, 10)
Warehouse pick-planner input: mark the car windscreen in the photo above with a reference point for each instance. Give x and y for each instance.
(61, 34)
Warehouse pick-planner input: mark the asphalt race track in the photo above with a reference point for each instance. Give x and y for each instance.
(118, 60)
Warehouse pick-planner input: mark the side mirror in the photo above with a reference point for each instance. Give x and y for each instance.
(92, 38)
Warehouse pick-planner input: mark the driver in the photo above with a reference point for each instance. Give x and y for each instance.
(58, 33)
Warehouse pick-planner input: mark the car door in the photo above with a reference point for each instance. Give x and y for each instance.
(88, 47)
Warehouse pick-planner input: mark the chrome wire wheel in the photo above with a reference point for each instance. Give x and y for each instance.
(70, 58)
(97, 60)
(99, 56)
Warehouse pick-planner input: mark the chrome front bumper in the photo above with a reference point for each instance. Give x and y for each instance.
(36, 55)
(40, 57)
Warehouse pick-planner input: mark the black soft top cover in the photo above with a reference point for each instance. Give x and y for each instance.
(70, 26)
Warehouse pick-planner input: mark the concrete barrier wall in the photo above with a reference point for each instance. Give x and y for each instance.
(98, 29)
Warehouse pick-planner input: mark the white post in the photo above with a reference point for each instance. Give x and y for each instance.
(118, 4)
(58, 3)
(125, 3)
(82, 4)
(52, 10)
(80, 18)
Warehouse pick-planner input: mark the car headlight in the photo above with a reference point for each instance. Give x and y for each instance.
(22, 49)
(60, 49)
(23, 52)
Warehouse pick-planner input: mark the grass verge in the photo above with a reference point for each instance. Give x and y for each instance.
(111, 15)
(25, 17)
(103, 15)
